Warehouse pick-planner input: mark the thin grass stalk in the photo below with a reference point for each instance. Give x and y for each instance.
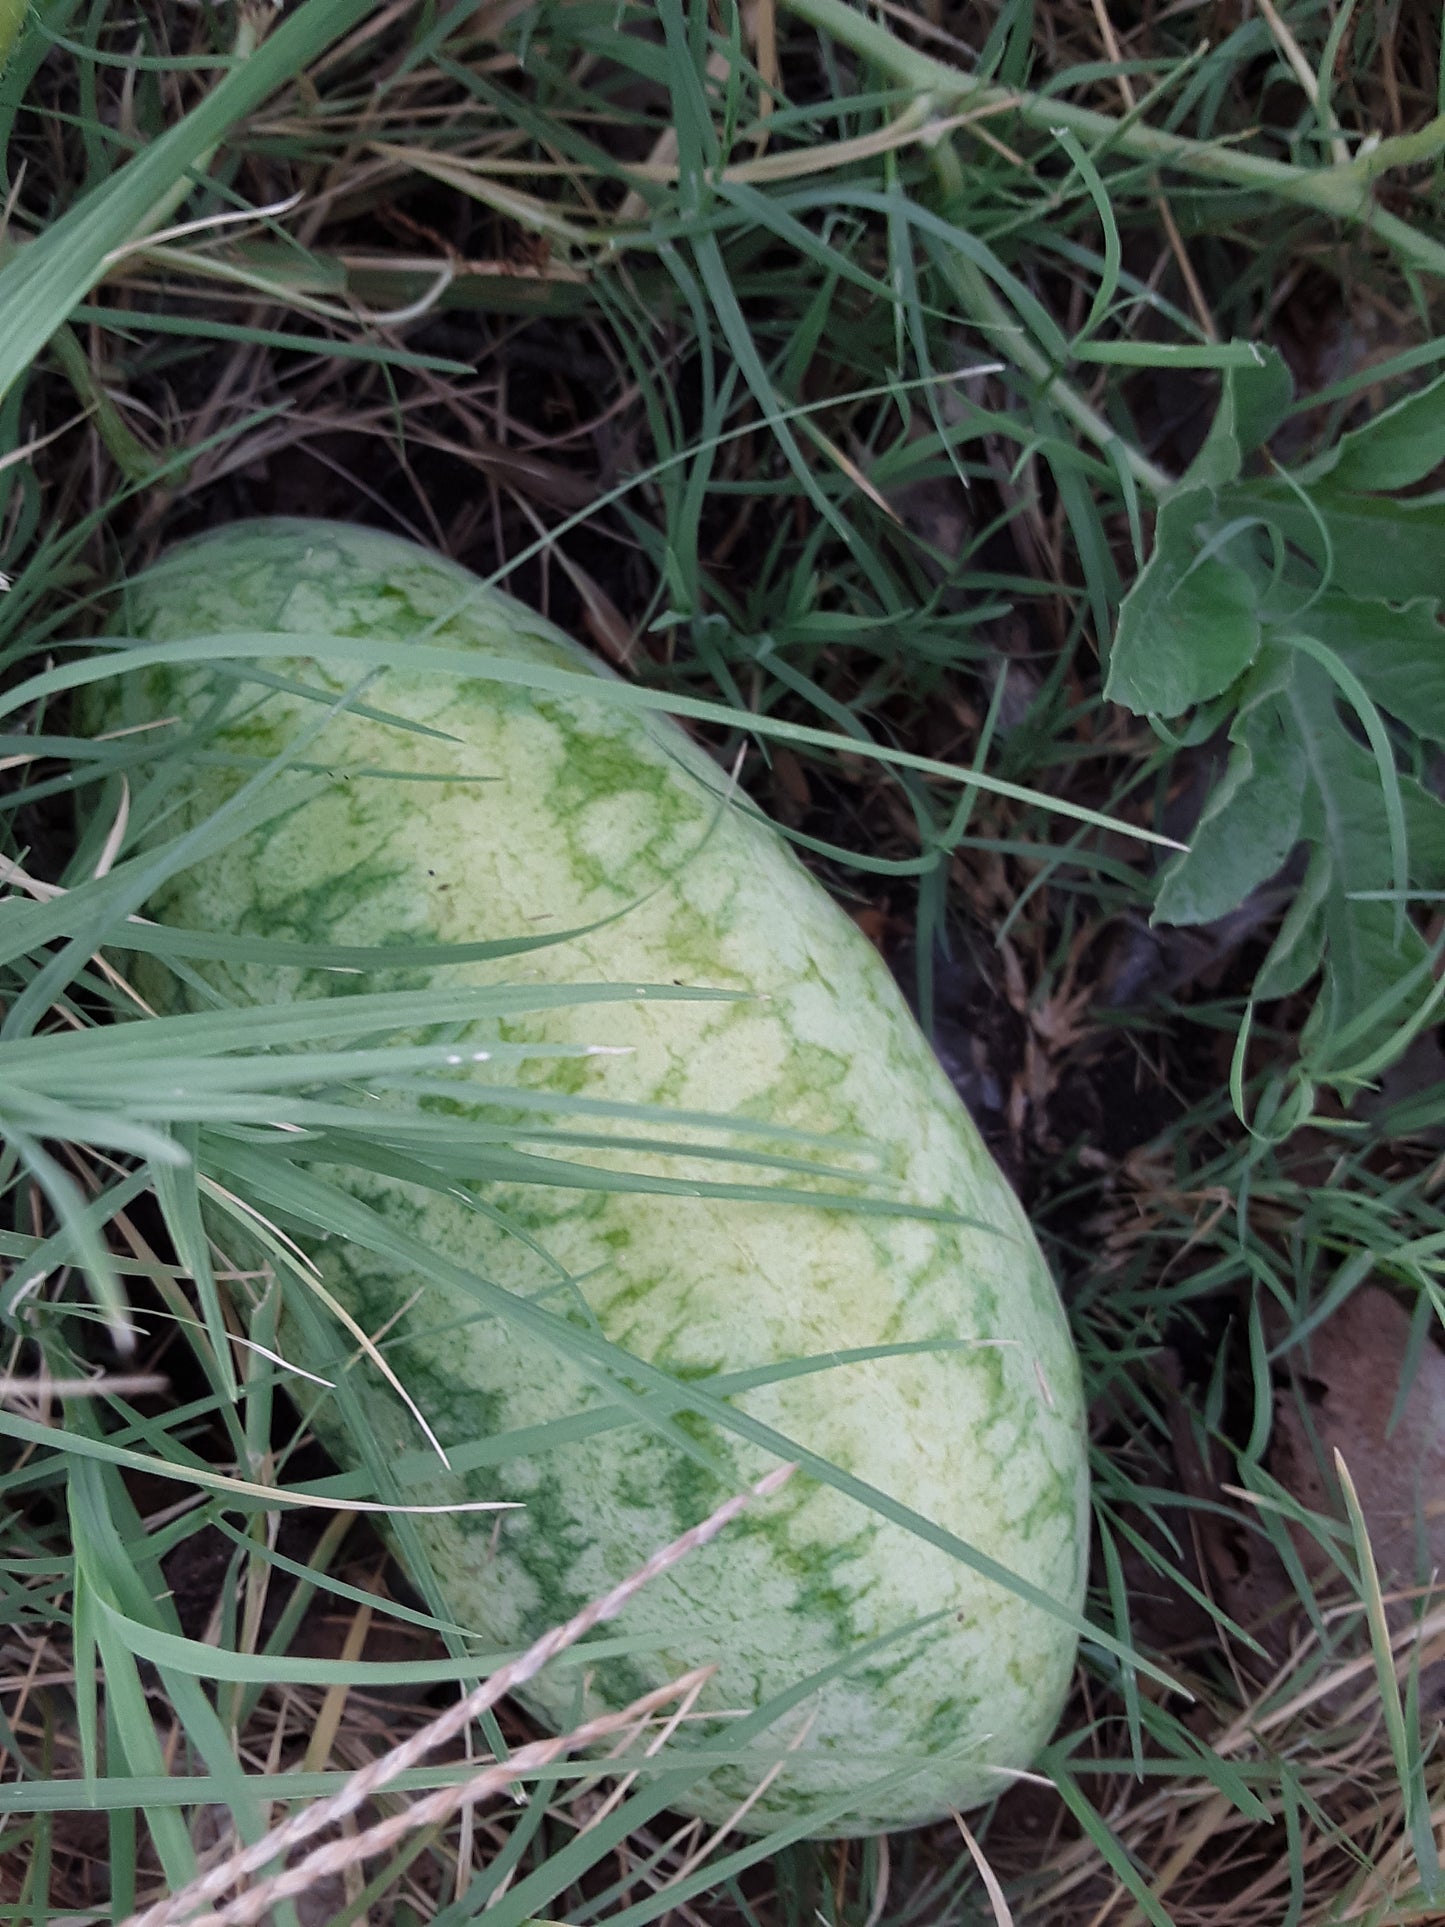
(1342, 191)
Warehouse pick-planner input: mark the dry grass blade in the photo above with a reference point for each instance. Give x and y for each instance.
(338, 1855)
(380, 1773)
(38, 1391)
(996, 1898)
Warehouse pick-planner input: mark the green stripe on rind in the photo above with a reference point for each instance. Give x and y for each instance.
(535, 813)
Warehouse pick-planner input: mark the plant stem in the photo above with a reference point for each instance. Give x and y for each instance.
(129, 453)
(1343, 191)
(251, 25)
(1008, 337)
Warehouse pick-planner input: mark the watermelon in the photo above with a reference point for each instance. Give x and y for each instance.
(894, 1636)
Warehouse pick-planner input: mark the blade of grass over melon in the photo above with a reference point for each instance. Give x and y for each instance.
(229, 1088)
(386, 1069)
(496, 1449)
(420, 1467)
(142, 882)
(163, 940)
(428, 659)
(246, 1491)
(454, 1147)
(491, 1161)
(414, 1468)
(267, 1026)
(607, 1363)
(29, 1115)
(195, 1658)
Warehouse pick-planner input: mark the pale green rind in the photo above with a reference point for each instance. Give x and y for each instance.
(558, 813)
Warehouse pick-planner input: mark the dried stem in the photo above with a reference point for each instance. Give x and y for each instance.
(363, 1785)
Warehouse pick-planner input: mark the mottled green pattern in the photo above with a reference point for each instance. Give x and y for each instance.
(561, 811)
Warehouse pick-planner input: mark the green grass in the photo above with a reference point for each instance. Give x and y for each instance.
(845, 383)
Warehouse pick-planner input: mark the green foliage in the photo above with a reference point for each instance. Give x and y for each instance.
(1301, 611)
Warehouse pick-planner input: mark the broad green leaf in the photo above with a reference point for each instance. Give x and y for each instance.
(1367, 953)
(1298, 950)
(1401, 446)
(1254, 399)
(1365, 960)
(1356, 1049)
(1252, 818)
(1398, 653)
(1190, 625)
(1345, 809)
(1364, 713)
(1364, 545)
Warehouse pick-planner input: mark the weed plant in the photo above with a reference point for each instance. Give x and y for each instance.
(1016, 431)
